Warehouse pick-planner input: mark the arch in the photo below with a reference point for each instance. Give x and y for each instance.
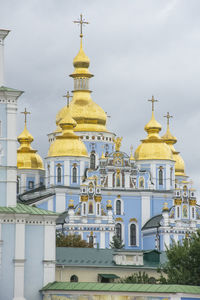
(160, 176)
(74, 174)
(74, 278)
(92, 161)
(133, 234)
(118, 231)
(59, 174)
(118, 207)
(91, 240)
(90, 210)
(141, 182)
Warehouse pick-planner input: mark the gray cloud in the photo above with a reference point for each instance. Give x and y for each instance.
(137, 48)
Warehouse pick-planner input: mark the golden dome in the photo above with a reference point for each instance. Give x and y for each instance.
(67, 144)
(27, 158)
(153, 147)
(170, 140)
(88, 115)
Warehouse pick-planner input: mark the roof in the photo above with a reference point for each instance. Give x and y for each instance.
(109, 276)
(7, 89)
(153, 222)
(25, 209)
(93, 257)
(121, 287)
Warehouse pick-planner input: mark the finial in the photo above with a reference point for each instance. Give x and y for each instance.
(168, 117)
(118, 142)
(81, 22)
(25, 112)
(165, 206)
(131, 156)
(153, 101)
(68, 96)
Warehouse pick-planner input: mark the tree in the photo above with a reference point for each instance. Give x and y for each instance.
(138, 278)
(183, 261)
(71, 240)
(116, 243)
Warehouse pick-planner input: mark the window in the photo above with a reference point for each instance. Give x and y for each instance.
(31, 184)
(118, 231)
(133, 235)
(74, 278)
(118, 207)
(18, 181)
(91, 240)
(160, 176)
(84, 208)
(74, 175)
(48, 173)
(59, 174)
(92, 161)
(141, 183)
(192, 212)
(98, 209)
(90, 208)
(118, 179)
(171, 174)
(178, 212)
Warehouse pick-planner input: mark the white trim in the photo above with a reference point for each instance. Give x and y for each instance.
(122, 230)
(137, 234)
(122, 206)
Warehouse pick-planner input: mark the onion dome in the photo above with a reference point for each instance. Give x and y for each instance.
(67, 144)
(153, 147)
(27, 158)
(170, 140)
(88, 115)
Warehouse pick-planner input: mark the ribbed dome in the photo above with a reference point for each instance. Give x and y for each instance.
(170, 140)
(27, 158)
(67, 144)
(153, 147)
(88, 115)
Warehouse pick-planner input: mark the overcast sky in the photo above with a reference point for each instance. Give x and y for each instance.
(137, 48)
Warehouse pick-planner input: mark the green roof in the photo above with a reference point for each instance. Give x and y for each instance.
(7, 89)
(121, 287)
(25, 209)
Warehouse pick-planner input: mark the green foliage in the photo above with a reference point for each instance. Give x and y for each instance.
(116, 243)
(138, 278)
(71, 240)
(183, 265)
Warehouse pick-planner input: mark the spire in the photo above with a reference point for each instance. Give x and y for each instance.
(3, 34)
(27, 157)
(168, 137)
(153, 127)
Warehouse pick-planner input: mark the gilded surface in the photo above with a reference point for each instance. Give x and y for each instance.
(177, 201)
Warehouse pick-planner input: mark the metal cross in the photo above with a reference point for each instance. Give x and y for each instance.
(25, 112)
(81, 22)
(68, 96)
(168, 117)
(153, 101)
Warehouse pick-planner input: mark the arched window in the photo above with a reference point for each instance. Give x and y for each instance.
(74, 278)
(74, 175)
(98, 209)
(171, 174)
(18, 181)
(133, 235)
(192, 212)
(118, 179)
(141, 183)
(118, 230)
(160, 176)
(58, 174)
(48, 167)
(118, 207)
(84, 208)
(90, 208)
(178, 212)
(91, 240)
(92, 161)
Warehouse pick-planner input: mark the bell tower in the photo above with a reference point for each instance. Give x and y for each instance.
(8, 136)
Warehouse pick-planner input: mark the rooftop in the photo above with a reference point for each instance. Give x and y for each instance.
(25, 209)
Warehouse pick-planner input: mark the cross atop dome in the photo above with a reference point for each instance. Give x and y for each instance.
(81, 22)
(168, 117)
(153, 101)
(25, 112)
(68, 96)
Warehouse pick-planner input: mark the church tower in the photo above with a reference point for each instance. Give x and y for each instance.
(8, 141)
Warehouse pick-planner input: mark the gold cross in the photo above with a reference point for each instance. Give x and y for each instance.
(81, 22)
(68, 96)
(153, 101)
(25, 112)
(168, 117)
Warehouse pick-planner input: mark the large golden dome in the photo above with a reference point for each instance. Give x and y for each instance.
(88, 115)
(67, 144)
(170, 140)
(27, 158)
(153, 147)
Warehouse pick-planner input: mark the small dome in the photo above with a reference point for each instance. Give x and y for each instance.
(27, 158)
(67, 144)
(81, 60)
(153, 147)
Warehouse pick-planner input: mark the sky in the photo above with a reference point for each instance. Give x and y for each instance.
(137, 48)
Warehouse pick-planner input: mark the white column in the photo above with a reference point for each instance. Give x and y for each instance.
(1, 244)
(49, 252)
(168, 185)
(102, 240)
(19, 260)
(66, 172)
(166, 241)
(127, 180)
(109, 180)
(145, 209)
(153, 174)
(3, 34)
(52, 172)
(60, 202)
